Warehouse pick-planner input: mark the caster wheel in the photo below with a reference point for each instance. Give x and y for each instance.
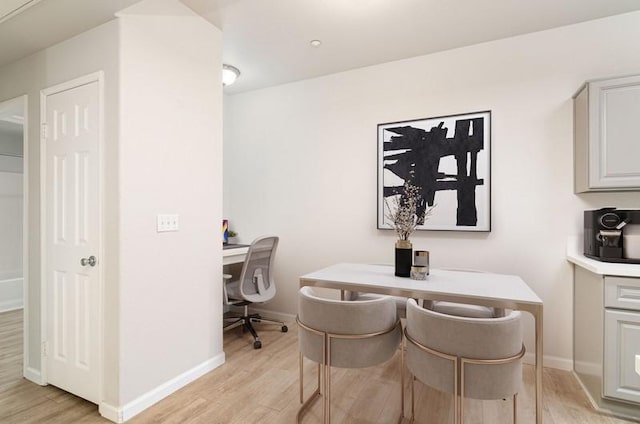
(284, 329)
(257, 344)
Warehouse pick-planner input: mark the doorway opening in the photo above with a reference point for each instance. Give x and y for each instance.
(13, 234)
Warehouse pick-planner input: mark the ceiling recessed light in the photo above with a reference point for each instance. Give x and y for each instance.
(315, 43)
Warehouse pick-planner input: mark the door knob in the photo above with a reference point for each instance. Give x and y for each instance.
(91, 260)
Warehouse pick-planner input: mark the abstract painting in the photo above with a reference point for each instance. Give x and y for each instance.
(448, 159)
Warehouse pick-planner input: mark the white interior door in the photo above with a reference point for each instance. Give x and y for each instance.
(71, 143)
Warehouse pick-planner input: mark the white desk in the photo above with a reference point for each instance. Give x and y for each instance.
(234, 254)
(505, 291)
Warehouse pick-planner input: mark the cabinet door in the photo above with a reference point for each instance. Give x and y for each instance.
(614, 141)
(622, 355)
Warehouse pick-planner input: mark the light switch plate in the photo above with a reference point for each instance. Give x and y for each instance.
(168, 222)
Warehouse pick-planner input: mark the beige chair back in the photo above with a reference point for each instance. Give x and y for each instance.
(477, 338)
(348, 318)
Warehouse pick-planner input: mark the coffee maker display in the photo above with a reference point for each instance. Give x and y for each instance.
(612, 235)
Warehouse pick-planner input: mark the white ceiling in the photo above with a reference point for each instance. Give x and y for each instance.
(269, 40)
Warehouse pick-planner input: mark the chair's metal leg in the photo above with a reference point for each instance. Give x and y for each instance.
(515, 408)
(413, 398)
(458, 395)
(252, 330)
(235, 324)
(301, 379)
(268, 321)
(401, 378)
(319, 378)
(327, 394)
(314, 396)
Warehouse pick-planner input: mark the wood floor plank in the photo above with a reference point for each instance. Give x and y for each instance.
(261, 386)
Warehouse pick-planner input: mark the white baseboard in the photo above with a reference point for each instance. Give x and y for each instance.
(133, 408)
(601, 409)
(276, 316)
(594, 404)
(588, 368)
(550, 361)
(11, 305)
(110, 412)
(11, 294)
(33, 375)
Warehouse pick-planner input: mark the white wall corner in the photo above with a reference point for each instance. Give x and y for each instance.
(133, 408)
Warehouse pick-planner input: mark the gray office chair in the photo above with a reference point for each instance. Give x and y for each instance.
(480, 358)
(346, 334)
(255, 285)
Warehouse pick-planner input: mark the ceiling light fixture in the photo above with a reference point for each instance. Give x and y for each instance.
(315, 43)
(229, 74)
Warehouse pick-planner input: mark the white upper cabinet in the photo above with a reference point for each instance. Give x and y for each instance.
(607, 135)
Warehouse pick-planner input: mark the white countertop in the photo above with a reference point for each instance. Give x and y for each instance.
(575, 255)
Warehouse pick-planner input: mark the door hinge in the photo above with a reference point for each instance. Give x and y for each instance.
(45, 350)
(44, 130)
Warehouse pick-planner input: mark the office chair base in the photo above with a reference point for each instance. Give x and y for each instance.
(247, 320)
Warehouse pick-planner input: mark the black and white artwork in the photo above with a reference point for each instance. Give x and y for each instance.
(448, 159)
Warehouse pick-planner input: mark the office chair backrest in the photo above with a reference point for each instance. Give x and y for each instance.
(478, 338)
(359, 317)
(256, 278)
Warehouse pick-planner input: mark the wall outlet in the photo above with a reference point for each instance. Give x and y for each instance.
(168, 222)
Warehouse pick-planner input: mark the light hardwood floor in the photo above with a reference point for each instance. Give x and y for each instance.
(261, 386)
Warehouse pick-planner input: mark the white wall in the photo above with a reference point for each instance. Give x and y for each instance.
(300, 160)
(163, 154)
(170, 162)
(86, 53)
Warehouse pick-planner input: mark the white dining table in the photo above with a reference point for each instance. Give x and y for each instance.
(488, 289)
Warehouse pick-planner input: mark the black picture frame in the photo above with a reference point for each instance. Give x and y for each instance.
(449, 159)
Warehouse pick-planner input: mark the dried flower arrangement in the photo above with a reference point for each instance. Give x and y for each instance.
(403, 211)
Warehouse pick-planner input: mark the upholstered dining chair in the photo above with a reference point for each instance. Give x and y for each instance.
(345, 334)
(479, 358)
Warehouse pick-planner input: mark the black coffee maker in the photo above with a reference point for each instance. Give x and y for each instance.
(603, 233)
